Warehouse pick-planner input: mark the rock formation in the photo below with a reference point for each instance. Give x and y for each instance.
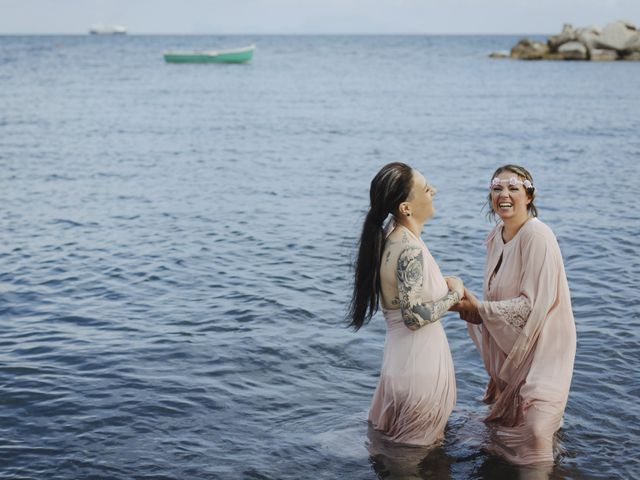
(616, 41)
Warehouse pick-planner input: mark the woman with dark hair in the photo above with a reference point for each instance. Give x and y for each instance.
(524, 328)
(416, 391)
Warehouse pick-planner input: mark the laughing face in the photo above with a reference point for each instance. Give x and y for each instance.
(509, 199)
(421, 198)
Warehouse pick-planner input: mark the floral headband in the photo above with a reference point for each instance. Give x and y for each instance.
(512, 181)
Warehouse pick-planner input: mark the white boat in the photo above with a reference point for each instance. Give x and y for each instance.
(107, 30)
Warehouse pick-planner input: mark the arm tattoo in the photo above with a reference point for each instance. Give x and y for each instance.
(415, 312)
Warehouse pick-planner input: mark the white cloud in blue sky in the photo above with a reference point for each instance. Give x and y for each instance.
(312, 16)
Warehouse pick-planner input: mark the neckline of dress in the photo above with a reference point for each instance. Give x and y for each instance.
(504, 244)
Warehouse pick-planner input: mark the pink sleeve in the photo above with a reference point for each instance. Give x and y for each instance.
(505, 319)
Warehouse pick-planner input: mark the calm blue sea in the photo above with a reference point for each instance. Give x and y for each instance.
(176, 243)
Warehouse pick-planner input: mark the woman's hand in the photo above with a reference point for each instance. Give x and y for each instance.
(468, 308)
(455, 285)
(471, 301)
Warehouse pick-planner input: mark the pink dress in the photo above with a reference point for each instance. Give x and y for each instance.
(417, 389)
(527, 341)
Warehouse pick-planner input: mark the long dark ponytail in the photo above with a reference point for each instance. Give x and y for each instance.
(389, 188)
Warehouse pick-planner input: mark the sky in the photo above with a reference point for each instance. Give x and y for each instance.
(311, 16)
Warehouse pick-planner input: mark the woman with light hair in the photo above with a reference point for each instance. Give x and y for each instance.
(524, 328)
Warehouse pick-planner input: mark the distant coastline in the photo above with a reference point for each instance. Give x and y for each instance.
(616, 41)
(217, 34)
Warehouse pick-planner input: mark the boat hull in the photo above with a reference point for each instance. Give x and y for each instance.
(240, 55)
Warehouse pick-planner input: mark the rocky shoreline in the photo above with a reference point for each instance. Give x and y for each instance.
(616, 41)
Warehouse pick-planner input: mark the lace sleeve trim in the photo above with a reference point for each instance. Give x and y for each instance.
(515, 311)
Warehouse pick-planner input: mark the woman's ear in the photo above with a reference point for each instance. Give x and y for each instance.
(403, 208)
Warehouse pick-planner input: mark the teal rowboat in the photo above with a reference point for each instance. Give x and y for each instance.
(230, 55)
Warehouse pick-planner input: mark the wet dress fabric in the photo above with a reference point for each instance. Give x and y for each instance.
(416, 390)
(527, 341)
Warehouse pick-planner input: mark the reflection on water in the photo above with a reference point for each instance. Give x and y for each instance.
(494, 468)
(397, 461)
(465, 452)
(390, 460)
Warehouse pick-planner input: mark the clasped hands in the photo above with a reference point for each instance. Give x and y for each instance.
(467, 307)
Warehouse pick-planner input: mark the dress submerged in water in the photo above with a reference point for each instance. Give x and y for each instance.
(416, 391)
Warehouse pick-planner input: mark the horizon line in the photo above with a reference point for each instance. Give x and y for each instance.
(336, 34)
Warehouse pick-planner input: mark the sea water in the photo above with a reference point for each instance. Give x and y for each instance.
(177, 243)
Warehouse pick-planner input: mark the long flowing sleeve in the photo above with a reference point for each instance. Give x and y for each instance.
(505, 319)
(539, 279)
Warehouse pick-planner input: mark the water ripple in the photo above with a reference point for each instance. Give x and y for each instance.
(176, 264)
